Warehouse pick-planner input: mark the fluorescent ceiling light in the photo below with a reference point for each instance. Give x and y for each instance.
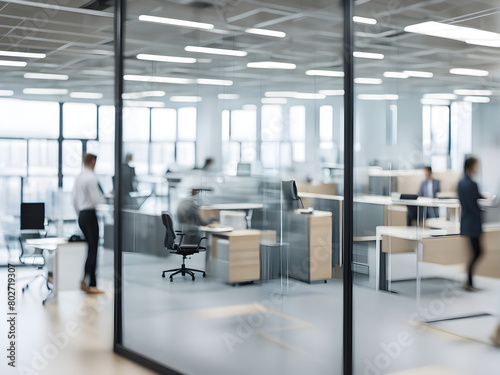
(368, 81)
(139, 78)
(215, 51)
(396, 75)
(477, 99)
(445, 96)
(228, 96)
(368, 55)
(332, 92)
(419, 74)
(23, 54)
(434, 101)
(280, 94)
(473, 92)
(309, 95)
(460, 33)
(6, 92)
(378, 97)
(271, 65)
(325, 73)
(55, 77)
(162, 58)
(176, 22)
(186, 99)
(13, 63)
(142, 94)
(86, 95)
(35, 91)
(365, 20)
(215, 82)
(138, 103)
(276, 34)
(470, 72)
(273, 101)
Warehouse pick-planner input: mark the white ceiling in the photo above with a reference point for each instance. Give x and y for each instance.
(79, 42)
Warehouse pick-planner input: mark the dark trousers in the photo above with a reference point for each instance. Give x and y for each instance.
(476, 254)
(90, 228)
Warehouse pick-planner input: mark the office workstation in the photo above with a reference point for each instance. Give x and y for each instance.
(254, 187)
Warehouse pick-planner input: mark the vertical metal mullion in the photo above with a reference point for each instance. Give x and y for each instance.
(119, 31)
(60, 151)
(347, 237)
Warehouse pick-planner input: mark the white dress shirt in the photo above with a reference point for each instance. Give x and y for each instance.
(86, 192)
(429, 189)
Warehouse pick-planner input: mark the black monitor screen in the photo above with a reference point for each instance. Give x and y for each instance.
(32, 216)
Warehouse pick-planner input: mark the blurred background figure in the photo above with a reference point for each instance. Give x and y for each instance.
(128, 175)
(429, 188)
(189, 217)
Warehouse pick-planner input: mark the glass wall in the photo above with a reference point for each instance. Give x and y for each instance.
(227, 105)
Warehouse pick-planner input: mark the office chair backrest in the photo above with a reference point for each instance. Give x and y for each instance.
(169, 234)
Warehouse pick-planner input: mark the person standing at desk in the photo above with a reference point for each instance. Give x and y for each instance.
(86, 195)
(428, 188)
(471, 224)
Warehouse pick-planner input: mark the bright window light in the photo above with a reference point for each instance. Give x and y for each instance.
(368, 81)
(215, 82)
(186, 99)
(325, 73)
(265, 32)
(139, 103)
(162, 58)
(6, 92)
(215, 51)
(273, 101)
(280, 94)
(86, 95)
(378, 97)
(469, 72)
(309, 95)
(228, 96)
(434, 101)
(23, 54)
(445, 96)
(13, 63)
(35, 91)
(419, 74)
(477, 99)
(368, 55)
(332, 92)
(176, 22)
(142, 94)
(472, 92)
(396, 75)
(55, 77)
(157, 79)
(364, 20)
(271, 65)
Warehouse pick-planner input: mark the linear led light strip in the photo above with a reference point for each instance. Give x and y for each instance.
(477, 99)
(470, 72)
(265, 32)
(215, 51)
(143, 94)
(294, 94)
(162, 58)
(472, 92)
(21, 64)
(23, 54)
(368, 55)
(325, 73)
(271, 65)
(368, 81)
(378, 97)
(176, 22)
(37, 91)
(364, 20)
(86, 95)
(179, 81)
(186, 99)
(55, 77)
(6, 92)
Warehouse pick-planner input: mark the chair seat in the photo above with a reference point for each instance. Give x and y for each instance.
(188, 249)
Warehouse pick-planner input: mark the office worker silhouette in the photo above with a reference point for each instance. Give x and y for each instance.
(428, 188)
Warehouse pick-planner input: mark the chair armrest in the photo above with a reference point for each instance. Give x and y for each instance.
(181, 235)
(199, 243)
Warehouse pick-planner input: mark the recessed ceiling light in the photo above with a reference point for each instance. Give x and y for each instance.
(138, 103)
(378, 97)
(472, 92)
(434, 101)
(142, 94)
(325, 73)
(276, 34)
(86, 95)
(215, 51)
(368, 81)
(186, 99)
(309, 95)
(6, 92)
(368, 55)
(13, 63)
(271, 65)
(445, 96)
(23, 54)
(332, 92)
(55, 77)
(280, 94)
(365, 20)
(162, 58)
(228, 96)
(273, 101)
(477, 99)
(176, 22)
(36, 91)
(419, 74)
(396, 75)
(157, 79)
(470, 72)
(215, 82)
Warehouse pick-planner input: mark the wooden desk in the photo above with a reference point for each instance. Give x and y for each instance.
(244, 252)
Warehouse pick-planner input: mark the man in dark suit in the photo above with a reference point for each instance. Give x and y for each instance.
(471, 224)
(428, 188)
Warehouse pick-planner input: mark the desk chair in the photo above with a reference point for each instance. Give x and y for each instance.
(180, 249)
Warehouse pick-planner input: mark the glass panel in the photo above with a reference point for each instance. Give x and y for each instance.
(244, 125)
(186, 156)
(272, 122)
(162, 157)
(72, 157)
(297, 129)
(80, 120)
(187, 124)
(43, 157)
(29, 118)
(326, 123)
(163, 124)
(13, 157)
(106, 123)
(136, 124)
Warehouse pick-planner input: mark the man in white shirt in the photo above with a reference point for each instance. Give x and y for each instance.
(86, 195)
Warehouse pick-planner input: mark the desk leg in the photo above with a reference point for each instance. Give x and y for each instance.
(378, 255)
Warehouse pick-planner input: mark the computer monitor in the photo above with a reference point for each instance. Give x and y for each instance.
(32, 216)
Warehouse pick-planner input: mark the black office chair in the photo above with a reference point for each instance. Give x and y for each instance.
(180, 249)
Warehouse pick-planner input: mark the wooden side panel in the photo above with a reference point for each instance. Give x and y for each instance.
(320, 262)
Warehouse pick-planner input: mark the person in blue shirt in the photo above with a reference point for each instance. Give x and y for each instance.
(428, 188)
(471, 224)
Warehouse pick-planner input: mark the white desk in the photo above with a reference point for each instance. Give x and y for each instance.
(247, 207)
(69, 260)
